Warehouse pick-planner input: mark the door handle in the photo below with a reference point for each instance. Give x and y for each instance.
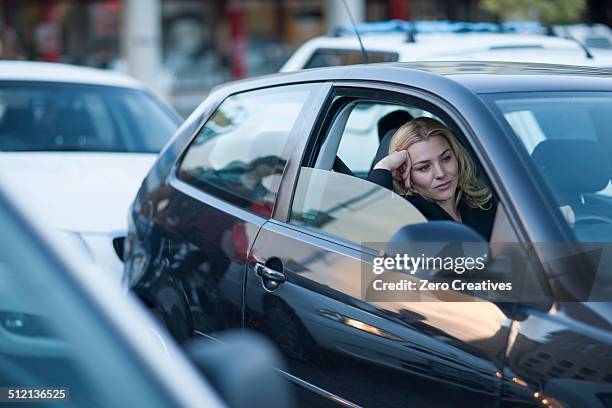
(270, 278)
(268, 273)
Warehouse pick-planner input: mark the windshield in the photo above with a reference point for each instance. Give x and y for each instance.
(568, 137)
(40, 116)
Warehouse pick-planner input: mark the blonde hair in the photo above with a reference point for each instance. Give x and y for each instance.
(420, 130)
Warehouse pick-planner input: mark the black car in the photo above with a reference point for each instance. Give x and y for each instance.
(259, 214)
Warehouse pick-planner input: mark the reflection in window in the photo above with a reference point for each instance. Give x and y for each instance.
(349, 207)
(240, 154)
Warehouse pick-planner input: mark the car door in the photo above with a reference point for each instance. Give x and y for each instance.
(221, 192)
(304, 290)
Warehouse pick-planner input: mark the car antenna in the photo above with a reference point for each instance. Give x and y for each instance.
(569, 36)
(366, 60)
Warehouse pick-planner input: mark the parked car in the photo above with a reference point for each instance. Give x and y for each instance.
(400, 44)
(257, 216)
(75, 144)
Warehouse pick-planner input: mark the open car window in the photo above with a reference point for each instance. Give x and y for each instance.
(367, 124)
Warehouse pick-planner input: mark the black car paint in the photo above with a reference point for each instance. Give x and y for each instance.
(334, 361)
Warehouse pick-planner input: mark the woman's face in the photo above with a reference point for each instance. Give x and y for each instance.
(435, 169)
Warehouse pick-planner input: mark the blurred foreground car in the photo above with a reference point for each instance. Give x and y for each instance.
(71, 338)
(64, 327)
(259, 215)
(75, 144)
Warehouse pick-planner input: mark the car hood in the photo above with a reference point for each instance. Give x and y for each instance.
(83, 192)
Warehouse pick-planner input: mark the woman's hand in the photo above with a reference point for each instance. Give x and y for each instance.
(399, 164)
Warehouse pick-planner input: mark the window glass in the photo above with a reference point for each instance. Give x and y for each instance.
(335, 57)
(74, 117)
(240, 153)
(349, 207)
(567, 136)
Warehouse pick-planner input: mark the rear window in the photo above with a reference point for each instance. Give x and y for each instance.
(39, 116)
(334, 57)
(240, 154)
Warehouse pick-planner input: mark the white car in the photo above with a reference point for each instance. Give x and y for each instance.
(429, 45)
(75, 144)
(384, 47)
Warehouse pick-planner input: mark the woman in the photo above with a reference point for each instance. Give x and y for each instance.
(436, 174)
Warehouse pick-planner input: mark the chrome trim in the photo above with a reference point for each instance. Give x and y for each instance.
(333, 397)
(297, 381)
(268, 273)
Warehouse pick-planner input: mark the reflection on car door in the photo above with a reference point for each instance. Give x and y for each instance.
(560, 356)
(303, 291)
(208, 216)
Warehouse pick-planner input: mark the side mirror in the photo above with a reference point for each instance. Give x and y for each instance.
(438, 231)
(241, 367)
(438, 239)
(450, 251)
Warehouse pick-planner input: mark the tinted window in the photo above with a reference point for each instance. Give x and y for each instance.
(73, 117)
(240, 153)
(334, 57)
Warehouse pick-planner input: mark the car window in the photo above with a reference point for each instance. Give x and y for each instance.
(362, 134)
(239, 155)
(349, 207)
(334, 195)
(567, 137)
(345, 205)
(333, 57)
(74, 117)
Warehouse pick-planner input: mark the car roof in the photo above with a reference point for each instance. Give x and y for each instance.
(433, 45)
(55, 72)
(476, 40)
(477, 76)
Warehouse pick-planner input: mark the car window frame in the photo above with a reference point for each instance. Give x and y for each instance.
(363, 91)
(313, 139)
(315, 99)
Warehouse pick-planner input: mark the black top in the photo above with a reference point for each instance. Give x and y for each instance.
(476, 218)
